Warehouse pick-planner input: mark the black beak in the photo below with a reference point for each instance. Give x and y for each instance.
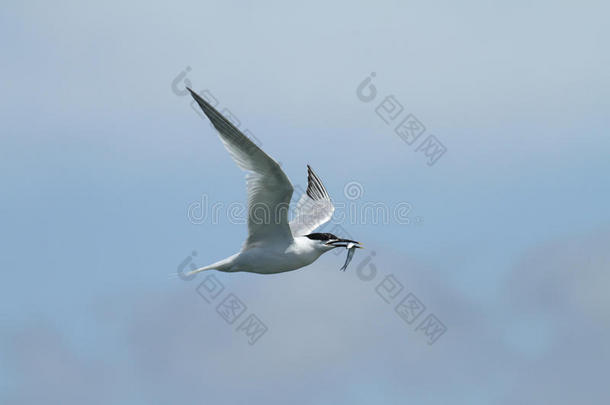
(343, 243)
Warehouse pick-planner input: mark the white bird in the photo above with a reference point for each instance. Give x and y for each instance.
(274, 245)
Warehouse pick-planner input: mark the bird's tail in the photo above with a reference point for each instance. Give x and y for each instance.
(222, 265)
(190, 274)
(199, 270)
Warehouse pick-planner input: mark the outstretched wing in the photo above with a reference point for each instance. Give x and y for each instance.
(269, 190)
(314, 207)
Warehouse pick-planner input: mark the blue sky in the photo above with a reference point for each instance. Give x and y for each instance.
(100, 160)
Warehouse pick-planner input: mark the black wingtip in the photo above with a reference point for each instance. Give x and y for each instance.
(198, 99)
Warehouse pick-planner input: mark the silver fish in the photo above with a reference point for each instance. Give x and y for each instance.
(351, 249)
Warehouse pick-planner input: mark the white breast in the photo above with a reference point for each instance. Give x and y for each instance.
(275, 259)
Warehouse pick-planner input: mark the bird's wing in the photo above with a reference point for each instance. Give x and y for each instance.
(269, 190)
(314, 207)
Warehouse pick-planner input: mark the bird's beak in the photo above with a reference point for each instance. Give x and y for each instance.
(344, 243)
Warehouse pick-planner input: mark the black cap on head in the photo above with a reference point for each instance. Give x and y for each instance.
(321, 236)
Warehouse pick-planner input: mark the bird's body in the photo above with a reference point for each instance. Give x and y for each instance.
(272, 258)
(274, 244)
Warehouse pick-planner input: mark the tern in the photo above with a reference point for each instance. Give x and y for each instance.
(274, 245)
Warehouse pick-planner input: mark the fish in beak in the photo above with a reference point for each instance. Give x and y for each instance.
(346, 243)
(350, 245)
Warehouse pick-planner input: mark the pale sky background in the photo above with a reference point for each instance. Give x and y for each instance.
(100, 160)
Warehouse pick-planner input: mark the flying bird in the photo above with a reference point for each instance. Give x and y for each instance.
(274, 245)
